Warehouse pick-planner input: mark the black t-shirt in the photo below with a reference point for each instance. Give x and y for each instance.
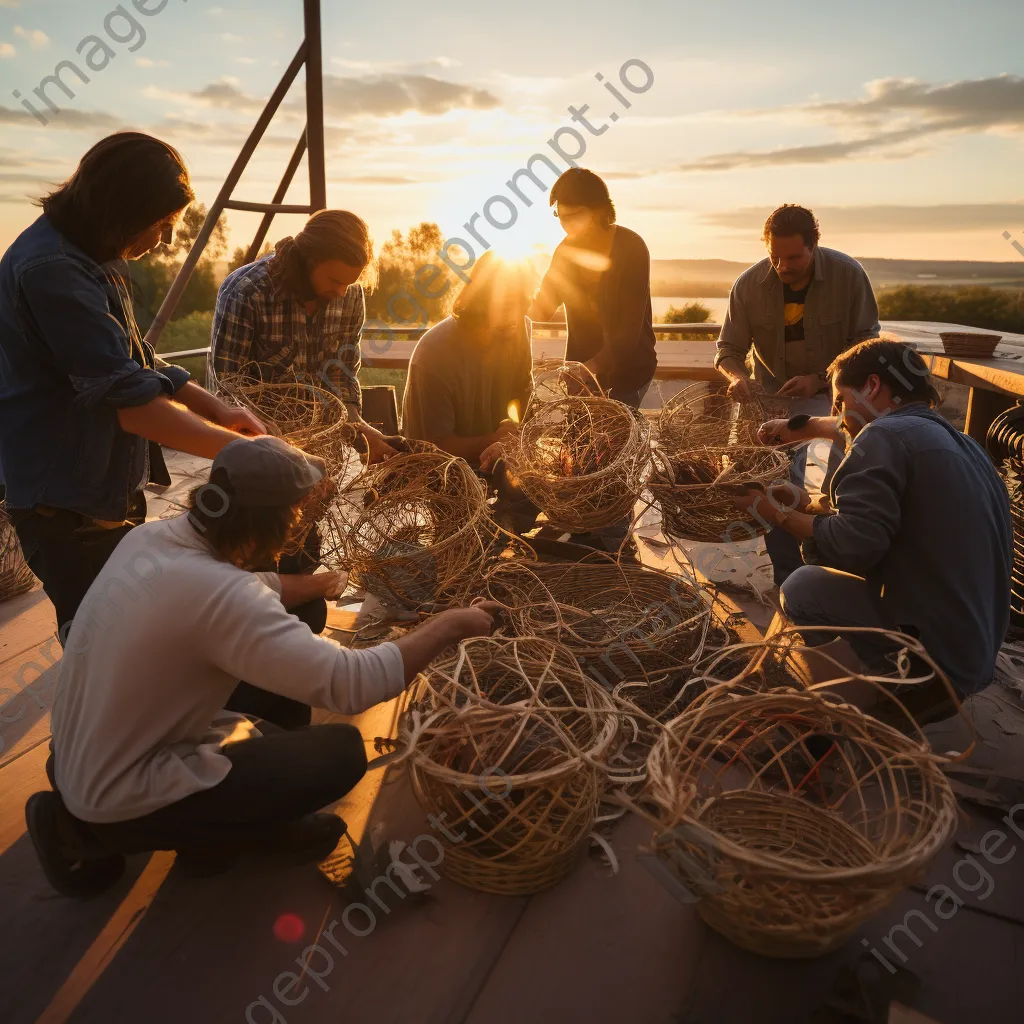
(794, 308)
(613, 307)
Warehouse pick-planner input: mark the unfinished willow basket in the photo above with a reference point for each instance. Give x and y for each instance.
(695, 489)
(581, 461)
(794, 819)
(418, 553)
(307, 416)
(15, 575)
(703, 414)
(527, 671)
(621, 621)
(511, 761)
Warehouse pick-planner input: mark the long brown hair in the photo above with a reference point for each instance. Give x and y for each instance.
(328, 235)
(124, 185)
(251, 538)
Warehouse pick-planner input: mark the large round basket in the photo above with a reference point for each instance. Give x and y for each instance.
(695, 490)
(792, 818)
(581, 461)
(527, 671)
(15, 575)
(424, 471)
(622, 621)
(417, 553)
(703, 414)
(307, 416)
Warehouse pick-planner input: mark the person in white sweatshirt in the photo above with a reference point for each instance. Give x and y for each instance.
(143, 755)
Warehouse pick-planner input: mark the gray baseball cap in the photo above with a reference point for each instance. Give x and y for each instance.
(265, 472)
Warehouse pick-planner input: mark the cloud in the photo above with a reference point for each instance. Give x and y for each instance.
(6, 50)
(73, 120)
(391, 94)
(375, 179)
(145, 62)
(344, 98)
(892, 113)
(978, 104)
(230, 37)
(36, 36)
(880, 220)
(825, 153)
(9, 3)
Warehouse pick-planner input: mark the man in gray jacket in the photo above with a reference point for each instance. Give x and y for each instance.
(797, 309)
(918, 536)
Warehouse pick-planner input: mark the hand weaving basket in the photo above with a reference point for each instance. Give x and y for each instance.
(511, 761)
(703, 414)
(581, 461)
(15, 575)
(794, 819)
(696, 488)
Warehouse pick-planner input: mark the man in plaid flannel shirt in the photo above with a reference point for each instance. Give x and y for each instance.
(304, 322)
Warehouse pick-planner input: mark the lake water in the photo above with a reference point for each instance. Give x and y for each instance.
(661, 303)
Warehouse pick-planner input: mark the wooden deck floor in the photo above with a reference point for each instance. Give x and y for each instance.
(163, 948)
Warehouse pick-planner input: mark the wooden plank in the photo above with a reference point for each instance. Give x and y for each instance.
(598, 947)
(27, 688)
(25, 621)
(982, 408)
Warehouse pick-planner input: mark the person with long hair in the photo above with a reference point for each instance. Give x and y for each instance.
(143, 756)
(468, 372)
(601, 274)
(300, 311)
(84, 400)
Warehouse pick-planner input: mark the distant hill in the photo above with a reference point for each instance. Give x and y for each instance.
(713, 278)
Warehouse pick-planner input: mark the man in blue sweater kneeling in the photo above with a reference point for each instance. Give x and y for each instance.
(916, 533)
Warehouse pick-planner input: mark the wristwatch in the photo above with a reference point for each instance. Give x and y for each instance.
(798, 422)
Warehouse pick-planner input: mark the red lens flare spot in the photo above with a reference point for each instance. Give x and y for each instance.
(289, 928)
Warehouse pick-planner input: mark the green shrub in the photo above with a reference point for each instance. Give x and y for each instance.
(691, 313)
(191, 331)
(988, 309)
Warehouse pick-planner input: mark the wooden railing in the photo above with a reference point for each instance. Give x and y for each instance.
(554, 330)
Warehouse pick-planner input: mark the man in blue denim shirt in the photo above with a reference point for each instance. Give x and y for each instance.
(81, 394)
(918, 536)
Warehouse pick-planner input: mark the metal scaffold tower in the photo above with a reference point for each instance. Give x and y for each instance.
(311, 142)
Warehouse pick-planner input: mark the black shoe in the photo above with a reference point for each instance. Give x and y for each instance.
(72, 865)
(308, 840)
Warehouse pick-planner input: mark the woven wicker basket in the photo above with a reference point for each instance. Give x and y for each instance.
(581, 461)
(15, 575)
(794, 819)
(703, 414)
(622, 621)
(970, 344)
(695, 490)
(511, 758)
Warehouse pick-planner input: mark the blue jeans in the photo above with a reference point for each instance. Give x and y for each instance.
(814, 595)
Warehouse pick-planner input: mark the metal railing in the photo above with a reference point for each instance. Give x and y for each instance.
(415, 333)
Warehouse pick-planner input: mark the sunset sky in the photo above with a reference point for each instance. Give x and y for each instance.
(901, 124)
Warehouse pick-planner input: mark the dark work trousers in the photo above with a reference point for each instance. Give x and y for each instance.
(67, 550)
(251, 700)
(274, 780)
